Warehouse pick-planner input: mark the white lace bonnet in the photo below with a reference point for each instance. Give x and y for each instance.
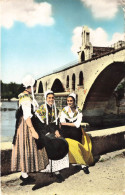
(29, 81)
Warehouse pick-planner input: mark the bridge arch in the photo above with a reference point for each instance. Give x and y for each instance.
(57, 86)
(102, 89)
(40, 88)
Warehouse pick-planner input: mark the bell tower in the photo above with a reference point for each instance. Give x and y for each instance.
(86, 49)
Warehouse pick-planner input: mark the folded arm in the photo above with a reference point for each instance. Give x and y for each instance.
(26, 107)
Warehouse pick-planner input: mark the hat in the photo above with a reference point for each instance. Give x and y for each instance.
(72, 95)
(28, 81)
(48, 92)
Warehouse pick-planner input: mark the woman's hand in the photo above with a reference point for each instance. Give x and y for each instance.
(57, 133)
(68, 124)
(31, 128)
(63, 123)
(34, 133)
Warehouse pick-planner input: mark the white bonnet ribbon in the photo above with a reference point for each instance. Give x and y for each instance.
(55, 112)
(46, 112)
(45, 95)
(35, 104)
(33, 98)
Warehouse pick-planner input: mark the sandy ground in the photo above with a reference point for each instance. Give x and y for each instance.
(107, 177)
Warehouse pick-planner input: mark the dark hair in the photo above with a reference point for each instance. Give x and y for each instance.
(49, 94)
(71, 97)
(21, 88)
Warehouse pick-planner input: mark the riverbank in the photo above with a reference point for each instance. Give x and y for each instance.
(106, 177)
(10, 100)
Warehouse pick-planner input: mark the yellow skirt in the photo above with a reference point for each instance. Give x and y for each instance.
(80, 153)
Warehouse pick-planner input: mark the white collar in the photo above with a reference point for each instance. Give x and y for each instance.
(68, 107)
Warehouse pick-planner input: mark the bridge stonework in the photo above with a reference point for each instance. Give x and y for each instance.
(93, 80)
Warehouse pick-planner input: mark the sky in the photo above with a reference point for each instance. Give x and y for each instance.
(39, 37)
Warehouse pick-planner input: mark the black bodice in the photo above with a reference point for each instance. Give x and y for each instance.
(56, 148)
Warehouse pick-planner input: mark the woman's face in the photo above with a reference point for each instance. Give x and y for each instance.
(50, 99)
(70, 102)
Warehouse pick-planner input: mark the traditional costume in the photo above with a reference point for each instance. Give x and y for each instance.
(80, 146)
(26, 157)
(57, 148)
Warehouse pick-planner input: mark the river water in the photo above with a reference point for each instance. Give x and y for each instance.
(7, 120)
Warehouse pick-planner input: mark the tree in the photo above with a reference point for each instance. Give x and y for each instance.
(10, 90)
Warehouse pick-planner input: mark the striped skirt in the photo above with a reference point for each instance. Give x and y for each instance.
(25, 155)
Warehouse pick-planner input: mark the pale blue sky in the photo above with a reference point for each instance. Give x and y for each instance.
(37, 38)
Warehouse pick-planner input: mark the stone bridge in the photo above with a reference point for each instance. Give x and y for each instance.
(93, 79)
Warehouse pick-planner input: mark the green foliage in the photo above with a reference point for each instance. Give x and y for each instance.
(120, 90)
(10, 90)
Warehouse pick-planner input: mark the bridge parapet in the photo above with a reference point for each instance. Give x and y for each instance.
(100, 76)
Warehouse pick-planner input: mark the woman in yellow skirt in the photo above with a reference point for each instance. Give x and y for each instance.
(80, 146)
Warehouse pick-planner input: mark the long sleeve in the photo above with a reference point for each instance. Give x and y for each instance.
(77, 123)
(26, 107)
(62, 117)
(70, 116)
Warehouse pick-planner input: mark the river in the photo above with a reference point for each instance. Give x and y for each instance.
(7, 120)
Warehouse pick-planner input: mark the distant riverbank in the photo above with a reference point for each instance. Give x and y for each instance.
(10, 100)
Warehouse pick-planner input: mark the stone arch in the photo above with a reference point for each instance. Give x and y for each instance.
(101, 91)
(73, 81)
(40, 89)
(67, 82)
(57, 86)
(81, 81)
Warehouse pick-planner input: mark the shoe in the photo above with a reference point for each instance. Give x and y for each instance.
(26, 181)
(86, 170)
(60, 178)
(22, 178)
(77, 168)
(37, 186)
